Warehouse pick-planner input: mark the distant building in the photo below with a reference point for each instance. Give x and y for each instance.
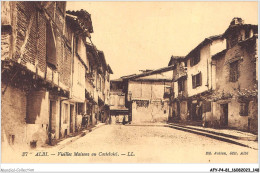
(148, 97)
(118, 110)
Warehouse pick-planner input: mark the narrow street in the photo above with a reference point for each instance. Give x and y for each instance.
(149, 144)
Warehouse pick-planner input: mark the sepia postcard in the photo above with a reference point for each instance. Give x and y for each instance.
(130, 82)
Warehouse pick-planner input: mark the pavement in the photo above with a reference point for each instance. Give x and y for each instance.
(62, 143)
(150, 143)
(147, 144)
(237, 137)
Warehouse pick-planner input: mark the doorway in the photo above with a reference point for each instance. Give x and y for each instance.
(52, 120)
(71, 118)
(193, 111)
(224, 114)
(178, 109)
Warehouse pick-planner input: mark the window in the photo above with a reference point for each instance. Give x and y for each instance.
(233, 77)
(80, 107)
(181, 85)
(195, 59)
(196, 80)
(142, 103)
(243, 109)
(50, 46)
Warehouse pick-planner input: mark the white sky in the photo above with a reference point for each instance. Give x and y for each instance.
(143, 35)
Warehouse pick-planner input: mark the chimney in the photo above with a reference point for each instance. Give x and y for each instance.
(237, 21)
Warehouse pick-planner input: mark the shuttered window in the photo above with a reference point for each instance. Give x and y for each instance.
(196, 80)
(50, 46)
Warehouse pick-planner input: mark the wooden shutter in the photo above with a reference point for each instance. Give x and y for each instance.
(193, 81)
(50, 46)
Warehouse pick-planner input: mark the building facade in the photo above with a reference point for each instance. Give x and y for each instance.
(45, 66)
(118, 110)
(147, 98)
(213, 78)
(235, 100)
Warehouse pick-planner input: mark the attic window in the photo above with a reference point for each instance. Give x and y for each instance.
(195, 59)
(50, 46)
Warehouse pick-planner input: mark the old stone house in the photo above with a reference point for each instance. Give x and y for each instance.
(213, 79)
(235, 97)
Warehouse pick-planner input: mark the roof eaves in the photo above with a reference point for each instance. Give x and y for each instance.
(204, 42)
